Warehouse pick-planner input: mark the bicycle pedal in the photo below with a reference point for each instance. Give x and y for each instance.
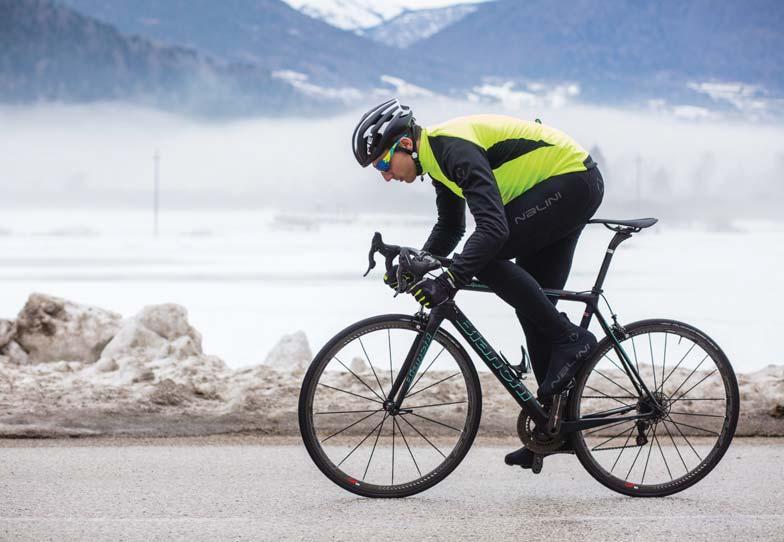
(536, 466)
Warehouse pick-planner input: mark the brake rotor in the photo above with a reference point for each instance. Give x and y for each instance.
(534, 440)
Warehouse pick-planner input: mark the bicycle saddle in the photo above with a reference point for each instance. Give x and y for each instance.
(638, 223)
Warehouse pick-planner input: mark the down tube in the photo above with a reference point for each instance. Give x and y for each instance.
(500, 368)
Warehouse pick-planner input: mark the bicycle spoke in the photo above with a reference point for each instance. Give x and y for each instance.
(693, 427)
(345, 411)
(394, 420)
(662, 454)
(681, 396)
(391, 378)
(371, 365)
(634, 349)
(637, 456)
(374, 445)
(688, 377)
(434, 421)
(653, 370)
(352, 425)
(598, 448)
(684, 438)
(695, 414)
(393, 451)
(351, 393)
(623, 448)
(608, 396)
(678, 365)
(664, 359)
(423, 436)
(613, 362)
(437, 404)
(676, 447)
(650, 449)
(611, 380)
(428, 368)
(363, 382)
(431, 385)
(361, 441)
(592, 431)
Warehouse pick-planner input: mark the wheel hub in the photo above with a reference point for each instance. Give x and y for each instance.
(660, 409)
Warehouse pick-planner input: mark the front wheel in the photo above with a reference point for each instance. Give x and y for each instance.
(689, 425)
(351, 435)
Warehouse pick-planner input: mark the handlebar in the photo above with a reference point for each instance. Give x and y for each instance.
(411, 261)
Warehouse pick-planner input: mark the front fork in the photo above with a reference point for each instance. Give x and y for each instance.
(416, 354)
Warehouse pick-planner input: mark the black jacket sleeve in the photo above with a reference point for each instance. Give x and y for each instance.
(466, 164)
(450, 227)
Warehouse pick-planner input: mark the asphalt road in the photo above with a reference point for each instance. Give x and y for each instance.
(245, 488)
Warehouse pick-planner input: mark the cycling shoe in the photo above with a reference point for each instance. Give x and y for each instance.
(525, 457)
(568, 354)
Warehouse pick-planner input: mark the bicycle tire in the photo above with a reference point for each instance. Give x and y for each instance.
(425, 481)
(727, 414)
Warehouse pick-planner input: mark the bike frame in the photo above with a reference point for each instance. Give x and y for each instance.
(501, 368)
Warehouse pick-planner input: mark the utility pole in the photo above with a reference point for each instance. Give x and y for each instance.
(156, 163)
(639, 188)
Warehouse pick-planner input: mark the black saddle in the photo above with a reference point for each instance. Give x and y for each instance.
(636, 224)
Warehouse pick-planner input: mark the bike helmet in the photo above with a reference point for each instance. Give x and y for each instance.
(379, 129)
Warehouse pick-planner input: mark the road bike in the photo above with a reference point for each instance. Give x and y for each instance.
(391, 405)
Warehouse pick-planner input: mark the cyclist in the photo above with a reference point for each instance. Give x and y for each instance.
(530, 189)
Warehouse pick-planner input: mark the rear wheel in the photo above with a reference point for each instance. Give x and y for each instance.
(362, 446)
(692, 422)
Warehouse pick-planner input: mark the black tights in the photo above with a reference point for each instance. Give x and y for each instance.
(545, 223)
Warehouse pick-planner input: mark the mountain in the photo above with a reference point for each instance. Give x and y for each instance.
(411, 26)
(267, 33)
(51, 53)
(617, 49)
(357, 15)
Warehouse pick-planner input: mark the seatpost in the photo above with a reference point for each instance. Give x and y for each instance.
(619, 237)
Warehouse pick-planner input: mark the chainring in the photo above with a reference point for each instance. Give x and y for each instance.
(533, 439)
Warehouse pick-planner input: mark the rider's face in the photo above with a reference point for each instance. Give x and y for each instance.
(402, 167)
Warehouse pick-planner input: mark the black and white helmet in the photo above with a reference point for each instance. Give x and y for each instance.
(379, 129)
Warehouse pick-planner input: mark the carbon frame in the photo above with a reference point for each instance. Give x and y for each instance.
(504, 371)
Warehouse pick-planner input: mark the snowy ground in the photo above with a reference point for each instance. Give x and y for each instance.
(247, 278)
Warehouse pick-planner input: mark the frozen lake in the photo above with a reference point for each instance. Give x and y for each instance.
(248, 277)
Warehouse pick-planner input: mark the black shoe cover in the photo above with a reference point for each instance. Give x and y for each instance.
(523, 457)
(567, 356)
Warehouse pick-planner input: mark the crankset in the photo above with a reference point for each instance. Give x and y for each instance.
(535, 440)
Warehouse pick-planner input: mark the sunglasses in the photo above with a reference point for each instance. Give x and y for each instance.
(386, 161)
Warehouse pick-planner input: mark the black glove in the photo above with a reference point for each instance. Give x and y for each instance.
(390, 278)
(432, 292)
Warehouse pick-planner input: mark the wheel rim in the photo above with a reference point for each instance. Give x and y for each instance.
(691, 419)
(360, 438)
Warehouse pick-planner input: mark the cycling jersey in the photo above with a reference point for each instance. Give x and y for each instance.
(487, 161)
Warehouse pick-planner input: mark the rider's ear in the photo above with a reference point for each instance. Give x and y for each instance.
(407, 143)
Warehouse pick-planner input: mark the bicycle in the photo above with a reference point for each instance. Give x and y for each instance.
(618, 401)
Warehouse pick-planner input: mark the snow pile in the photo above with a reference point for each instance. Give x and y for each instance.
(52, 329)
(73, 369)
(292, 353)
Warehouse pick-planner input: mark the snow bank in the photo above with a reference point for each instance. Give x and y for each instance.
(69, 369)
(52, 329)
